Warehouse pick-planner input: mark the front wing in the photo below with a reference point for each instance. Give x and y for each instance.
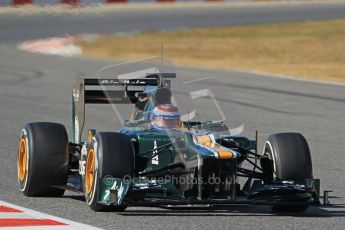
(141, 192)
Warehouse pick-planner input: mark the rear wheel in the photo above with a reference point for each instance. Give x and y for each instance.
(113, 153)
(42, 160)
(291, 161)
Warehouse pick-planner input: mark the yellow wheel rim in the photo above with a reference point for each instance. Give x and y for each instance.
(22, 159)
(90, 169)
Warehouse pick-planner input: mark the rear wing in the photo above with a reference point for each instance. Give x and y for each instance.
(101, 91)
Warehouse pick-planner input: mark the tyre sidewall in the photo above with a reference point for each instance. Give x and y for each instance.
(92, 197)
(23, 184)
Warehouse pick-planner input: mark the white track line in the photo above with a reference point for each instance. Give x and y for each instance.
(28, 213)
(263, 74)
(289, 77)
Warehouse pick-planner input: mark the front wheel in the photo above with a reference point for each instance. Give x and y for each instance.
(291, 161)
(109, 154)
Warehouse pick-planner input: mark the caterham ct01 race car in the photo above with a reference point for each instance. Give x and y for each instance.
(162, 155)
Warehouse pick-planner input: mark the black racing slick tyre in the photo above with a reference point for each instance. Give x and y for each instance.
(109, 154)
(291, 161)
(42, 160)
(291, 156)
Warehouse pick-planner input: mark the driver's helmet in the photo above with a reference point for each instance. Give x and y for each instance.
(166, 116)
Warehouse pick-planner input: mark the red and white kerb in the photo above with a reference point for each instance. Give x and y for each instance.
(15, 217)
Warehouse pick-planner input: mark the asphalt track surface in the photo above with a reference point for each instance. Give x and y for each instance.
(38, 88)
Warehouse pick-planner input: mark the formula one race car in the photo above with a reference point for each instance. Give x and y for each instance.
(164, 154)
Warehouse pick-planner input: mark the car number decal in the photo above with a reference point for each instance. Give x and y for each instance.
(155, 160)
